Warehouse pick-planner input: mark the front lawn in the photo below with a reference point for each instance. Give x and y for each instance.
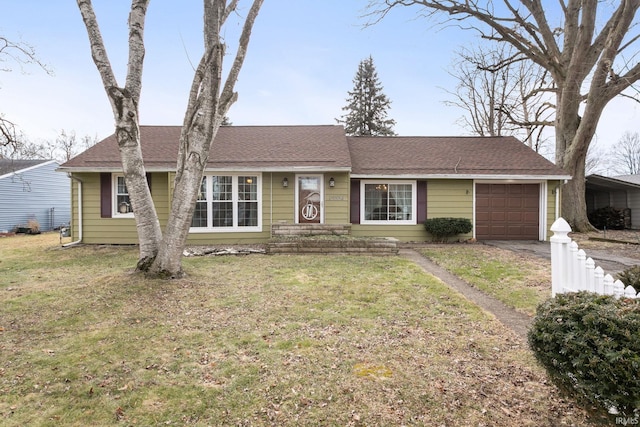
(519, 281)
(254, 341)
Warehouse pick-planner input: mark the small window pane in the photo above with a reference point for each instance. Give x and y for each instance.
(222, 187)
(248, 187)
(223, 214)
(247, 214)
(123, 203)
(375, 202)
(200, 212)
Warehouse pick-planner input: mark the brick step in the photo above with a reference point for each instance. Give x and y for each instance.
(279, 230)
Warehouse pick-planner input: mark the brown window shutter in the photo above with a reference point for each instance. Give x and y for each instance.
(105, 195)
(354, 214)
(421, 200)
(149, 181)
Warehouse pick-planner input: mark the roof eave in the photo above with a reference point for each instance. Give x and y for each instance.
(465, 176)
(29, 168)
(84, 169)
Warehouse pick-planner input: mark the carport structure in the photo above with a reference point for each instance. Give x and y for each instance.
(620, 192)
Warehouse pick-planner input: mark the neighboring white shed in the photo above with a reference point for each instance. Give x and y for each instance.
(33, 190)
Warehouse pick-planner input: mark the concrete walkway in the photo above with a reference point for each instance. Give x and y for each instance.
(518, 322)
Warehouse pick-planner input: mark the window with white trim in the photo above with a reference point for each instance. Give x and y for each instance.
(121, 202)
(388, 202)
(228, 203)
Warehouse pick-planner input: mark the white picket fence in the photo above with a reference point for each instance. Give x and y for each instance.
(573, 271)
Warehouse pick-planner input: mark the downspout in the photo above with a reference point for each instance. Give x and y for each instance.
(79, 212)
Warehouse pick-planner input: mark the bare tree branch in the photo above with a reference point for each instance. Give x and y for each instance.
(20, 54)
(581, 54)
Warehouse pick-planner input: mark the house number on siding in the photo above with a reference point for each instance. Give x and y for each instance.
(335, 198)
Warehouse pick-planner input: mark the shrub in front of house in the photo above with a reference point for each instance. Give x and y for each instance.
(589, 345)
(443, 228)
(630, 277)
(608, 218)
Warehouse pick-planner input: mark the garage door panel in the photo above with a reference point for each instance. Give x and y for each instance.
(498, 203)
(507, 211)
(497, 189)
(483, 202)
(497, 216)
(530, 218)
(515, 217)
(514, 203)
(531, 203)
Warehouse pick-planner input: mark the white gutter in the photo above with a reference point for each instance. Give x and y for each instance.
(477, 177)
(79, 212)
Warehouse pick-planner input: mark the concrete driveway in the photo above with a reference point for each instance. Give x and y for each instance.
(612, 262)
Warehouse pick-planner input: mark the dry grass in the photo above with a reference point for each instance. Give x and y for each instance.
(254, 341)
(520, 281)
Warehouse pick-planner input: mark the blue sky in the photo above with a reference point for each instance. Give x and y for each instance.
(301, 62)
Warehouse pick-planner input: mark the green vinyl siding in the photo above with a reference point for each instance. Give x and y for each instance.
(336, 199)
(450, 198)
(278, 202)
(404, 233)
(445, 198)
(552, 188)
(97, 230)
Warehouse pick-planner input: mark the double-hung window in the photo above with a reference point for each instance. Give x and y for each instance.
(228, 203)
(388, 202)
(121, 202)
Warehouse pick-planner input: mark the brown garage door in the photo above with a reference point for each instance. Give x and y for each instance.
(507, 211)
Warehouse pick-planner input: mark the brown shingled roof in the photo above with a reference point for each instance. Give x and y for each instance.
(8, 166)
(271, 148)
(241, 147)
(447, 156)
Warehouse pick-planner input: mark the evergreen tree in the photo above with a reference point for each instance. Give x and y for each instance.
(367, 105)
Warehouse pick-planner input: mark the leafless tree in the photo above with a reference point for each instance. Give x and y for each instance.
(65, 146)
(626, 154)
(501, 96)
(209, 100)
(587, 47)
(597, 160)
(12, 54)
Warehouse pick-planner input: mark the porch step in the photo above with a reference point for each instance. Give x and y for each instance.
(280, 230)
(333, 246)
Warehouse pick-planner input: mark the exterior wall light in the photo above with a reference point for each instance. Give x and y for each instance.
(332, 182)
(285, 182)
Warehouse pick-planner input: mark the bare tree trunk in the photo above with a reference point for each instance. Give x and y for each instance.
(124, 103)
(209, 102)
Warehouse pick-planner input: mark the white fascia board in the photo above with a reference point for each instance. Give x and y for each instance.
(461, 176)
(281, 169)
